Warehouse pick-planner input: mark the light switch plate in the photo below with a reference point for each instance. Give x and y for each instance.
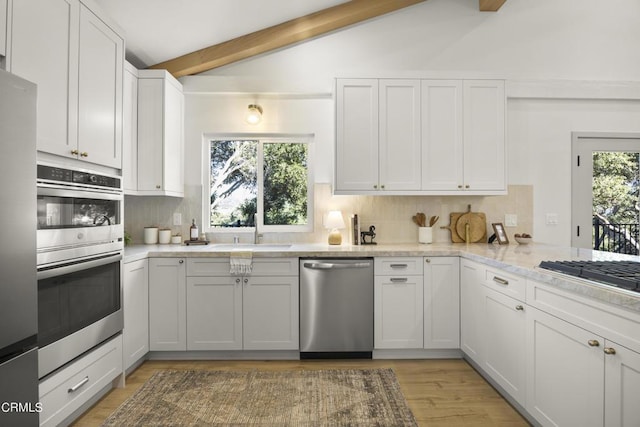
(510, 220)
(552, 219)
(177, 218)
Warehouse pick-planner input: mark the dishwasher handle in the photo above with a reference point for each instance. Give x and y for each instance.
(335, 266)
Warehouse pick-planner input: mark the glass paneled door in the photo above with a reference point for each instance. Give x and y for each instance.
(606, 192)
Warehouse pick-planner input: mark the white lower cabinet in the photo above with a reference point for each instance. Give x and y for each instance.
(398, 303)
(253, 312)
(565, 384)
(504, 333)
(135, 304)
(167, 304)
(471, 310)
(64, 392)
(441, 302)
(621, 385)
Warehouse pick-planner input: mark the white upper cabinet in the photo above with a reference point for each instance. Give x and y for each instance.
(399, 138)
(422, 137)
(484, 135)
(77, 62)
(357, 135)
(160, 134)
(378, 135)
(442, 143)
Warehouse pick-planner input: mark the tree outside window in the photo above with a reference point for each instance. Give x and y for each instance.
(248, 176)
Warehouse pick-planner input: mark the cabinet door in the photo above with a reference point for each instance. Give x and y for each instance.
(160, 135)
(357, 134)
(130, 130)
(44, 50)
(442, 302)
(101, 61)
(399, 138)
(441, 118)
(622, 386)
(398, 312)
(504, 342)
(565, 372)
(270, 310)
(484, 135)
(136, 312)
(471, 312)
(167, 304)
(173, 139)
(214, 313)
(150, 134)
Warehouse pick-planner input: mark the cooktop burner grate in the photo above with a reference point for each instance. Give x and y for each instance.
(622, 274)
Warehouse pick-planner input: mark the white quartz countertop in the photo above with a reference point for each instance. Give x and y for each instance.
(517, 259)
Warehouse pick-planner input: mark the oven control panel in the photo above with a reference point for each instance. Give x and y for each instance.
(61, 175)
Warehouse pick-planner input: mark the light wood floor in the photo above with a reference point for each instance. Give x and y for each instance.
(439, 392)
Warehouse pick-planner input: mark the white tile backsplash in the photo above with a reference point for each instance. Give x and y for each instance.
(391, 215)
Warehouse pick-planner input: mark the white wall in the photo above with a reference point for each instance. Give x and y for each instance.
(557, 42)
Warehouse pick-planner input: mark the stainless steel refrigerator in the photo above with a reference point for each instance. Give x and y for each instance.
(18, 283)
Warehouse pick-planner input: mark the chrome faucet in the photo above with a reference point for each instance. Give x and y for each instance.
(256, 234)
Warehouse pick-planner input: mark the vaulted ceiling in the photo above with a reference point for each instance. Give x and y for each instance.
(193, 36)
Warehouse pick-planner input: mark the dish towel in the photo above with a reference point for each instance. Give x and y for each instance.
(241, 262)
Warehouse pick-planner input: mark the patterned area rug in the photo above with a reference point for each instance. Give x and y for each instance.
(369, 397)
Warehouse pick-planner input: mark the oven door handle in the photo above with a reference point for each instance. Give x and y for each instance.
(56, 191)
(74, 267)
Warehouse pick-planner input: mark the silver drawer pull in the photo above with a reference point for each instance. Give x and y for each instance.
(398, 279)
(399, 265)
(500, 280)
(80, 384)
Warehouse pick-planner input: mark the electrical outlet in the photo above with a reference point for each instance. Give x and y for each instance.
(552, 219)
(510, 220)
(177, 218)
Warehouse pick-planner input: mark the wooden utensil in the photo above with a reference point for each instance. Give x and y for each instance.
(433, 220)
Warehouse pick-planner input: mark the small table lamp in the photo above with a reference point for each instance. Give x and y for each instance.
(334, 222)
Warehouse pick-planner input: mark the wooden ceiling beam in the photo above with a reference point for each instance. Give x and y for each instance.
(491, 5)
(281, 35)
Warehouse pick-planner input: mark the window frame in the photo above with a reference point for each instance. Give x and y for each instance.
(261, 139)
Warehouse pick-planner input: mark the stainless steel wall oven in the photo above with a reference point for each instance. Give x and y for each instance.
(79, 254)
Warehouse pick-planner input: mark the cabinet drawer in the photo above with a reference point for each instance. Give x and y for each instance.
(261, 267)
(611, 322)
(67, 390)
(389, 266)
(508, 284)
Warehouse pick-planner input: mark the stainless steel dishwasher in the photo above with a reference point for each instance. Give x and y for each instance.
(336, 308)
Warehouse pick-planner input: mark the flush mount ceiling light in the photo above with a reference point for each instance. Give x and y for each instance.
(254, 114)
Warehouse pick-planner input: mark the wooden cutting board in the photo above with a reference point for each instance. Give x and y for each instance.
(477, 226)
(453, 219)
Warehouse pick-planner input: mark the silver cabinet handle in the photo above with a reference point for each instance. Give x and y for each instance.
(238, 280)
(398, 279)
(399, 265)
(181, 261)
(330, 266)
(77, 386)
(246, 281)
(500, 280)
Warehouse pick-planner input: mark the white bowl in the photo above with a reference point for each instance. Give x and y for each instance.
(523, 240)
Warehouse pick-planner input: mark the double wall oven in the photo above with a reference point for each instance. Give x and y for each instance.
(80, 238)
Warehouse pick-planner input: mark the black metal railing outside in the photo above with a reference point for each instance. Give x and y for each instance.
(618, 238)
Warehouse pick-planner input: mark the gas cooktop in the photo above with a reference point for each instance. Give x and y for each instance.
(621, 274)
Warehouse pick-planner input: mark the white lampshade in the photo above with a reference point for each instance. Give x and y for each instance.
(334, 222)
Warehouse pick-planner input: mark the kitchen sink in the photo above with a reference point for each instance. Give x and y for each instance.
(251, 246)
